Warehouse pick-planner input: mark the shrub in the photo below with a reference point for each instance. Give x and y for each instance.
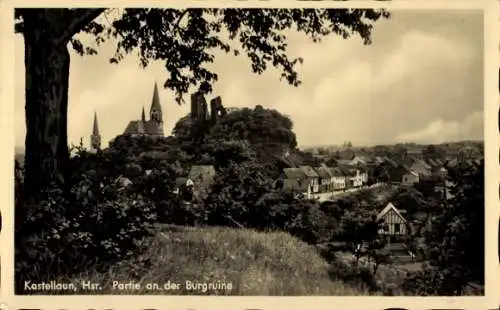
(359, 276)
(309, 223)
(102, 220)
(426, 282)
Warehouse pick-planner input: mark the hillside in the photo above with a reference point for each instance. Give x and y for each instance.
(256, 263)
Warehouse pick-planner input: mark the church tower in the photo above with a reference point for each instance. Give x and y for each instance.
(155, 114)
(95, 138)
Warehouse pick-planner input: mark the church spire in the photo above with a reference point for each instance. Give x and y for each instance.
(95, 131)
(143, 116)
(155, 112)
(95, 138)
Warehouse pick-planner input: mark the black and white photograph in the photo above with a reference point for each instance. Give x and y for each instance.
(249, 151)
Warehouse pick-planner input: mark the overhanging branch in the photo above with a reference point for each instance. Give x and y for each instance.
(78, 19)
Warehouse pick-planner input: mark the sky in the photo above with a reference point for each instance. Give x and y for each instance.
(421, 80)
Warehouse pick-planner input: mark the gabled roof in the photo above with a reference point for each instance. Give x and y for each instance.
(292, 159)
(309, 171)
(336, 172)
(390, 161)
(134, 127)
(346, 154)
(294, 173)
(412, 172)
(362, 158)
(388, 208)
(431, 162)
(422, 163)
(140, 127)
(343, 161)
(295, 185)
(324, 172)
(406, 168)
(452, 162)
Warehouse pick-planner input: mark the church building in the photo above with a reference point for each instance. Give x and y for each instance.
(153, 126)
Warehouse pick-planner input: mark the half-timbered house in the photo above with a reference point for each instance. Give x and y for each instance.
(395, 223)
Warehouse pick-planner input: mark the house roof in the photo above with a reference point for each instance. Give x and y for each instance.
(431, 162)
(388, 208)
(295, 185)
(412, 172)
(309, 171)
(390, 161)
(142, 127)
(294, 173)
(422, 163)
(452, 162)
(347, 170)
(421, 168)
(362, 158)
(408, 161)
(343, 161)
(292, 159)
(336, 171)
(134, 127)
(323, 172)
(346, 154)
(201, 172)
(405, 167)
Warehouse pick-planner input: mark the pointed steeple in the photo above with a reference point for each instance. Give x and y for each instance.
(143, 116)
(155, 104)
(95, 131)
(95, 138)
(155, 113)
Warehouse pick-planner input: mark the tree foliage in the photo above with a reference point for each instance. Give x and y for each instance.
(456, 240)
(186, 39)
(264, 128)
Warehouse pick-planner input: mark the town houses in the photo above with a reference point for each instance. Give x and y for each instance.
(355, 171)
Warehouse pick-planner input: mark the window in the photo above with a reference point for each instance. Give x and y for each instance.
(397, 228)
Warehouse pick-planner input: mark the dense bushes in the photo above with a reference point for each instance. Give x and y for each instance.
(107, 211)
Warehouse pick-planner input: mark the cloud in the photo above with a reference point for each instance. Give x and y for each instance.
(439, 130)
(373, 99)
(419, 51)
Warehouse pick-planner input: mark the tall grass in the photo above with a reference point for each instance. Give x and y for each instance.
(254, 263)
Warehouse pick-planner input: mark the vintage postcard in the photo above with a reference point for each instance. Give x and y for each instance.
(254, 149)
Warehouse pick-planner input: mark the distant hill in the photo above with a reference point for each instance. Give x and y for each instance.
(449, 148)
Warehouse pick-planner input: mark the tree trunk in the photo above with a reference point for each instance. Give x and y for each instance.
(47, 76)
